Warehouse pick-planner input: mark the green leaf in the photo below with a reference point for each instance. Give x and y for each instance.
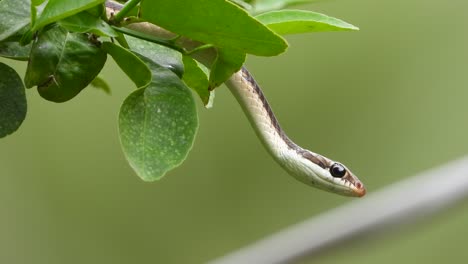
(12, 101)
(300, 21)
(62, 64)
(13, 50)
(215, 22)
(164, 56)
(158, 124)
(101, 84)
(261, 6)
(196, 77)
(56, 10)
(14, 16)
(227, 63)
(133, 66)
(85, 22)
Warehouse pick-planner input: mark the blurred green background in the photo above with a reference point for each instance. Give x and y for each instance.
(389, 101)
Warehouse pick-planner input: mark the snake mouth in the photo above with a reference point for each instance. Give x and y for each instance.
(355, 186)
(360, 190)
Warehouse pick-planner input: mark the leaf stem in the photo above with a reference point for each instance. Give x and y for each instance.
(163, 42)
(124, 11)
(199, 48)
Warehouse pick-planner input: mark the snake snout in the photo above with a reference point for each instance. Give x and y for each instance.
(360, 190)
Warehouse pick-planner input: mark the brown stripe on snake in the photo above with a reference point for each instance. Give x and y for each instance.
(317, 159)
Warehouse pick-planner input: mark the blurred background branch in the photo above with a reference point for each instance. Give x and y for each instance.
(398, 204)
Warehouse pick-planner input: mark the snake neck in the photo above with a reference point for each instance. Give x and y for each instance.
(289, 155)
(257, 109)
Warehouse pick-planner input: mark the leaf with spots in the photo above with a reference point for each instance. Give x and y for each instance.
(158, 124)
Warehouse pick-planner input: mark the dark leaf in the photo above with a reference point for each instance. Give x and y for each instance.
(12, 101)
(62, 64)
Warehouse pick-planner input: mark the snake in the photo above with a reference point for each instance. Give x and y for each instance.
(306, 166)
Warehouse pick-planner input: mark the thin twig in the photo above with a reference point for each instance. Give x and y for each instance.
(401, 203)
(124, 10)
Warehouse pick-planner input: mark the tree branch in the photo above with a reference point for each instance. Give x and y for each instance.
(205, 56)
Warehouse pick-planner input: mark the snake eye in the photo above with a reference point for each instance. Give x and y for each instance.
(337, 170)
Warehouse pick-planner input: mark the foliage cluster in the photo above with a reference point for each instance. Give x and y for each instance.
(66, 44)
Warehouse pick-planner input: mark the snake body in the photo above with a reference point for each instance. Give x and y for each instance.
(306, 166)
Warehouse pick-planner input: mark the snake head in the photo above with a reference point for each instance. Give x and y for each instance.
(326, 174)
(345, 181)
